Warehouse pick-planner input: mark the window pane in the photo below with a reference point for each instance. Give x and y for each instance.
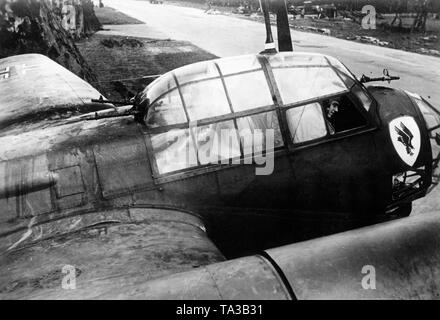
(296, 59)
(348, 81)
(362, 96)
(160, 86)
(342, 114)
(432, 119)
(197, 71)
(205, 99)
(167, 110)
(301, 84)
(306, 123)
(338, 65)
(344, 73)
(238, 64)
(248, 91)
(265, 121)
(173, 150)
(217, 142)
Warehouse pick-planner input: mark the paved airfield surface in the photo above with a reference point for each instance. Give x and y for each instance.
(225, 36)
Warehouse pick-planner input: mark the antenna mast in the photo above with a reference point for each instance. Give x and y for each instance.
(283, 28)
(269, 47)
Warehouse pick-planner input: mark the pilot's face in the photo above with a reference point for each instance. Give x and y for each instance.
(332, 109)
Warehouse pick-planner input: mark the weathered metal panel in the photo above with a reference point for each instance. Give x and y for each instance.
(114, 252)
(404, 254)
(8, 208)
(73, 201)
(199, 190)
(70, 181)
(70, 190)
(37, 203)
(46, 90)
(26, 187)
(235, 180)
(250, 278)
(123, 167)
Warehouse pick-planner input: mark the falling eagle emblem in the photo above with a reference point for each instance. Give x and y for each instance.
(405, 137)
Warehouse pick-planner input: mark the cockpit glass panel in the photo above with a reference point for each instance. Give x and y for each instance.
(338, 65)
(205, 99)
(248, 91)
(160, 86)
(261, 124)
(217, 142)
(297, 60)
(342, 115)
(167, 110)
(195, 72)
(173, 150)
(348, 81)
(300, 84)
(432, 118)
(238, 64)
(306, 123)
(362, 96)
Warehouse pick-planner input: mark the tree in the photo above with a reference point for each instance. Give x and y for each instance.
(419, 23)
(398, 7)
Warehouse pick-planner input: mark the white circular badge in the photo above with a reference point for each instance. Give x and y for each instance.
(405, 135)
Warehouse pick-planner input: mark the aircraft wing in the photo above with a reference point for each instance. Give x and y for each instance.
(158, 253)
(110, 253)
(34, 89)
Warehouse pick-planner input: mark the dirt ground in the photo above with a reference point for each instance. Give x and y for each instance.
(122, 62)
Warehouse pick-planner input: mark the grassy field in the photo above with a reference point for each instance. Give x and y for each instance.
(121, 61)
(432, 25)
(107, 15)
(349, 30)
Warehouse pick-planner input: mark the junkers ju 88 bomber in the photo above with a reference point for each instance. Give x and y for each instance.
(229, 155)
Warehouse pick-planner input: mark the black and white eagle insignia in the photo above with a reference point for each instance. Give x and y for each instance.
(405, 137)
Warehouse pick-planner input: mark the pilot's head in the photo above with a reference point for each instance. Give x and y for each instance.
(333, 107)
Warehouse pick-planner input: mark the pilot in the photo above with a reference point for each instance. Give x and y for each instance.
(332, 108)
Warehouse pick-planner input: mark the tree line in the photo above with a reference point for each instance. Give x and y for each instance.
(382, 6)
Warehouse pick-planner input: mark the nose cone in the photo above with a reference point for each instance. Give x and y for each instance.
(393, 103)
(431, 115)
(403, 138)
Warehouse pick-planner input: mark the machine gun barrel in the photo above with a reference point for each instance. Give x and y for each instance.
(386, 77)
(121, 103)
(366, 79)
(105, 114)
